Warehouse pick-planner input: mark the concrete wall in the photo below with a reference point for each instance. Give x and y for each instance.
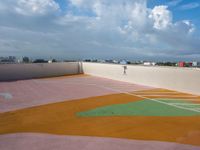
(27, 71)
(180, 79)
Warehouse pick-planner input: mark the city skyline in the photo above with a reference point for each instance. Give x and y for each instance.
(102, 29)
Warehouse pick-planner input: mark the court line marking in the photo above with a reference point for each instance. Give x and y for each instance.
(124, 92)
(120, 91)
(156, 92)
(181, 99)
(154, 100)
(184, 104)
(195, 107)
(171, 95)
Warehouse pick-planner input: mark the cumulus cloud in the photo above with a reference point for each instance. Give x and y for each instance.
(96, 28)
(161, 16)
(140, 27)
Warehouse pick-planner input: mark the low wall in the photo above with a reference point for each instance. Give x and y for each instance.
(27, 71)
(179, 79)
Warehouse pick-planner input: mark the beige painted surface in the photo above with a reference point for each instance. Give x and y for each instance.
(180, 79)
(28, 71)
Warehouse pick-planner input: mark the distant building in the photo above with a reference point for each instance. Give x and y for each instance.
(25, 60)
(195, 64)
(168, 63)
(94, 60)
(189, 64)
(87, 60)
(181, 64)
(20, 60)
(101, 61)
(109, 61)
(147, 63)
(115, 61)
(49, 61)
(52, 61)
(136, 62)
(40, 61)
(8, 60)
(123, 62)
(12, 58)
(153, 63)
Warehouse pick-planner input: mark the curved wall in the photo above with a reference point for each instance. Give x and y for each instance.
(37, 70)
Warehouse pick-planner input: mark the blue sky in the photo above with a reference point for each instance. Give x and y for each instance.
(102, 29)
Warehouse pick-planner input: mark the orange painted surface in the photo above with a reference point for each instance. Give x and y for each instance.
(65, 76)
(60, 118)
(164, 93)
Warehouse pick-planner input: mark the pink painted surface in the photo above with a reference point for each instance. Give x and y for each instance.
(33, 141)
(28, 93)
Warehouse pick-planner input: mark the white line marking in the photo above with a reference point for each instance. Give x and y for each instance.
(182, 99)
(189, 106)
(155, 92)
(180, 107)
(124, 92)
(171, 95)
(184, 104)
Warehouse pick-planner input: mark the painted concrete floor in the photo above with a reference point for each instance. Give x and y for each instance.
(87, 112)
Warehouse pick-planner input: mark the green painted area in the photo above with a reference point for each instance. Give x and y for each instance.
(168, 100)
(180, 102)
(142, 108)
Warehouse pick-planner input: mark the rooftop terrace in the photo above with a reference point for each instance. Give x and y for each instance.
(98, 107)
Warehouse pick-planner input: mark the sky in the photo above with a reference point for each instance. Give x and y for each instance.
(101, 29)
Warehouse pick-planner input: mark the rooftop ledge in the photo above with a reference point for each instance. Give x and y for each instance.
(174, 78)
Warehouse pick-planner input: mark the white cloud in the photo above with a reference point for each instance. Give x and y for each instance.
(97, 8)
(76, 2)
(162, 17)
(97, 28)
(84, 4)
(174, 2)
(189, 25)
(190, 6)
(137, 27)
(36, 7)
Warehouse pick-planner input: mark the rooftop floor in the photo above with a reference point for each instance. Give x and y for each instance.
(87, 112)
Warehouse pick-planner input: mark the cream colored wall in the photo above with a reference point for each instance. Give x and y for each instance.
(180, 79)
(28, 71)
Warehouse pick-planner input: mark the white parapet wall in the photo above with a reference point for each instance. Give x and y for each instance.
(174, 78)
(10, 72)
